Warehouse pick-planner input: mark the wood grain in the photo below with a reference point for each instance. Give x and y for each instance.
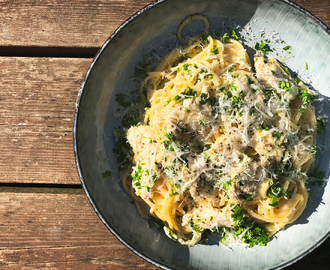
(82, 23)
(58, 231)
(62, 23)
(37, 104)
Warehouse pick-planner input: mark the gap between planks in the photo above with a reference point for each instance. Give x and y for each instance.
(74, 189)
(57, 52)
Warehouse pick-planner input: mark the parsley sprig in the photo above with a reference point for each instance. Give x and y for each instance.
(121, 99)
(263, 47)
(247, 229)
(187, 93)
(215, 50)
(275, 192)
(168, 143)
(306, 98)
(137, 175)
(227, 36)
(321, 125)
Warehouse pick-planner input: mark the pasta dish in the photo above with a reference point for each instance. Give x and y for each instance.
(224, 146)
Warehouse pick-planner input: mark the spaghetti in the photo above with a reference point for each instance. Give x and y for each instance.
(222, 148)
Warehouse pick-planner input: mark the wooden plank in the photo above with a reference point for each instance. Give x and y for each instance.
(37, 104)
(61, 231)
(62, 23)
(58, 231)
(82, 23)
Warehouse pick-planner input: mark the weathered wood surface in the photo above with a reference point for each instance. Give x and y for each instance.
(62, 23)
(44, 229)
(82, 23)
(37, 104)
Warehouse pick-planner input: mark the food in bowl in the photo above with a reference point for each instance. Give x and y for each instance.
(221, 148)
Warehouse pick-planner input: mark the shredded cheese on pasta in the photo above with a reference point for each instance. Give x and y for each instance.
(218, 135)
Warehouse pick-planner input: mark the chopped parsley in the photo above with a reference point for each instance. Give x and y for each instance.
(141, 71)
(215, 50)
(231, 69)
(120, 98)
(185, 67)
(285, 85)
(107, 174)
(224, 184)
(306, 98)
(204, 38)
(262, 47)
(181, 129)
(247, 230)
(234, 35)
(123, 151)
(246, 196)
(204, 99)
(168, 143)
(249, 80)
(131, 118)
(226, 36)
(156, 222)
(187, 93)
(277, 135)
(172, 193)
(321, 125)
(306, 65)
(318, 175)
(170, 136)
(286, 48)
(137, 175)
(208, 76)
(275, 192)
(153, 176)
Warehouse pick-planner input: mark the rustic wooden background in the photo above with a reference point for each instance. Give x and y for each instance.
(46, 220)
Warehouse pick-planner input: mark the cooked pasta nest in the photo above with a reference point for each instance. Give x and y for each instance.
(223, 145)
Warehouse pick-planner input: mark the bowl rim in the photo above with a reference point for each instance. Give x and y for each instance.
(75, 128)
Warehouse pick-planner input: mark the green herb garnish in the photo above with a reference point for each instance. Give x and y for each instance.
(275, 192)
(277, 135)
(231, 69)
(263, 47)
(321, 125)
(120, 98)
(215, 50)
(107, 174)
(247, 229)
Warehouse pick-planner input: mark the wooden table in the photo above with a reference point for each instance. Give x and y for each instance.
(46, 220)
